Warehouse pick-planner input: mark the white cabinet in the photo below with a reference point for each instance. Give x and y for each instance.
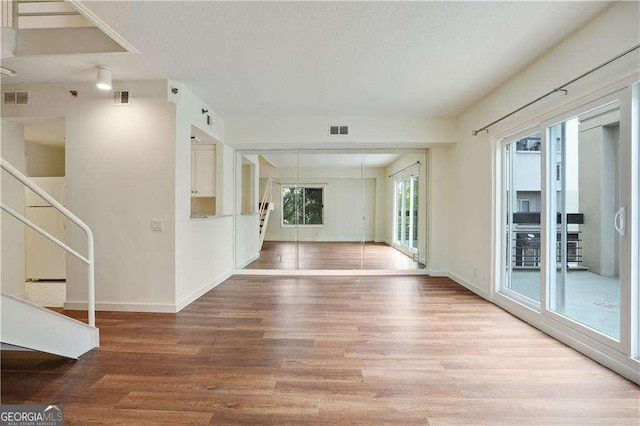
(203, 171)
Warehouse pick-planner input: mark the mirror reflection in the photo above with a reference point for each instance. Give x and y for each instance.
(331, 209)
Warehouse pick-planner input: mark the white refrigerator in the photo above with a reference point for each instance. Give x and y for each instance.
(44, 259)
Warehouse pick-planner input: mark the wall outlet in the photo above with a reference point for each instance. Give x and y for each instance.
(157, 225)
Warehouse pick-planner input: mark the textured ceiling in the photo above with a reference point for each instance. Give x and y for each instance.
(334, 58)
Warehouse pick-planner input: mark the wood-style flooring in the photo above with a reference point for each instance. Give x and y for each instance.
(330, 350)
(331, 255)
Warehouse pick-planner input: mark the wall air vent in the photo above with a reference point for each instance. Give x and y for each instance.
(21, 98)
(338, 130)
(121, 97)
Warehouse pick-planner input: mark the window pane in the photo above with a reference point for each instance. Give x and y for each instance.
(399, 192)
(406, 211)
(313, 206)
(523, 190)
(291, 205)
(414, 231)
(587, 282)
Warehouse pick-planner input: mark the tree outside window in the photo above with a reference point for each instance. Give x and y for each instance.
(302, 206)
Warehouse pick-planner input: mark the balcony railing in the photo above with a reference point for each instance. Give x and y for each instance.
(525, 249)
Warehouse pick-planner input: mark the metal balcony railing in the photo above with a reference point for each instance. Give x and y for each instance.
(526, 250)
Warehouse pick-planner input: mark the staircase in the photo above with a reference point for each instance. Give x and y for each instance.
(33, 327)
(51, 27)
(265, 210)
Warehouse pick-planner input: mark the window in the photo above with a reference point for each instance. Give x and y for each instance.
(302, 206)
(524, 206)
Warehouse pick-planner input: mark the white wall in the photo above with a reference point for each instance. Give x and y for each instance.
(13, 232)
(43, 160)
(614, 31)
(300, 132)
(203, 247)
(439, 203)
(120, 163)
(247, 238)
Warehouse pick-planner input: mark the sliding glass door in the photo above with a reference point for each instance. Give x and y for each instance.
(589, 222)
(566, 201)
(406, 217)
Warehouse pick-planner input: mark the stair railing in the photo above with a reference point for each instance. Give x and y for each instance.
(266, 196)
(88, 260)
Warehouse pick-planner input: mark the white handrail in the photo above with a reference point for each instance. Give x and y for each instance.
(267, 191)
(43, 232)
(89, 259)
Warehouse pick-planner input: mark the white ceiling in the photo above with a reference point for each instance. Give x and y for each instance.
(326, 58)
(333, 160)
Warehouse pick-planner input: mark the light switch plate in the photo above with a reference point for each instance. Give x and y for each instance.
(157, 225)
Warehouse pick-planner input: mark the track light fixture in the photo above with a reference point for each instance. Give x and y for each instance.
(103, 81)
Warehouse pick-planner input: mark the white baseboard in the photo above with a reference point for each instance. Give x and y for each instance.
(474, 288)
(436, 273)
(245, 263)
(22, 295)
(150, 307)
(201, 291)
(122, 307)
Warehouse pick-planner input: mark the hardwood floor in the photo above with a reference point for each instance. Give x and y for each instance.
(332, 350)
(331, 255)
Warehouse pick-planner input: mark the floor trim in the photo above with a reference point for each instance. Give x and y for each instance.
(186, 301)
(474, 288)
(123, 307)
(251, 259)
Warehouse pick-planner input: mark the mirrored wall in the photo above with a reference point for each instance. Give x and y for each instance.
(331, 209)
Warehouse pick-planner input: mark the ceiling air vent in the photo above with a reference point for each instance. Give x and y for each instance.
(121, 97)
(21, 98)
(338, 130)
